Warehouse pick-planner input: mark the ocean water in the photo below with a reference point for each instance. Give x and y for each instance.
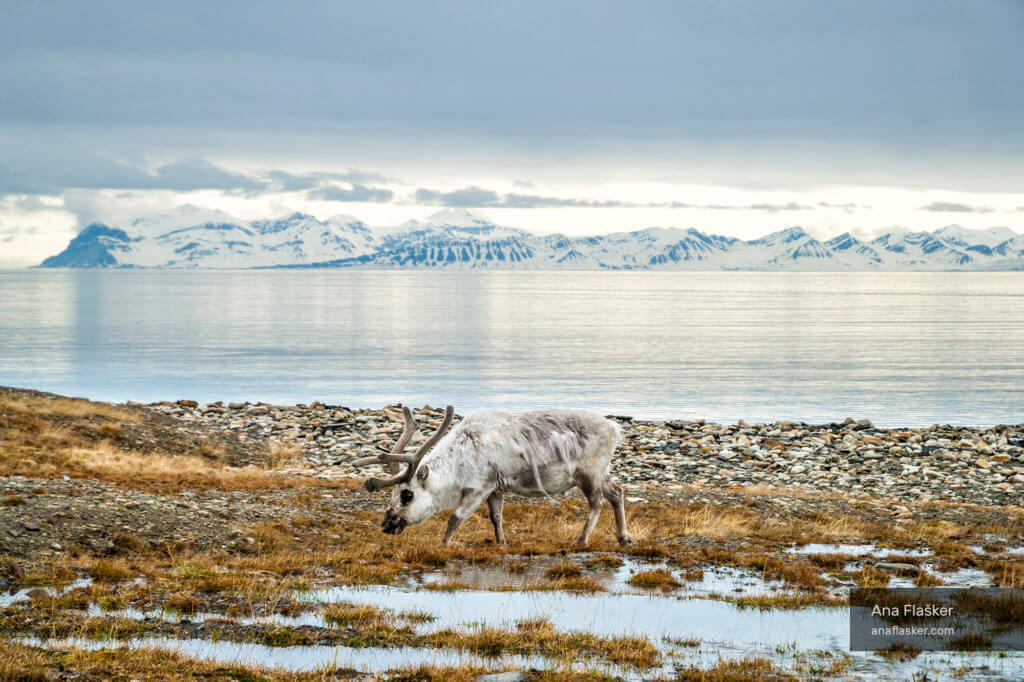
(898, 348)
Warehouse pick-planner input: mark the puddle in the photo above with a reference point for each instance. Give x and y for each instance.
(308, 658)
(22, 595)
(858, 550)
(607, 614)
(717, 580)
(532, 574)
(728, 581)
(961, 577)
(724, 630)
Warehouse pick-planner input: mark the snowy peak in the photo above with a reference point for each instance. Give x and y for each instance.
(849, 249)
(787, 236)
(920, 248)
(97, 246)
(193, 237)
(186, 215)
(459, 217)
(964, 237)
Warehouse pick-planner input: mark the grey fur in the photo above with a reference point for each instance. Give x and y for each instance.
(492, 452)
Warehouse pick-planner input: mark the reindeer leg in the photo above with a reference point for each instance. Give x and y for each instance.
(470, 501)
(613, 493)
(596, 500)
(494, 506)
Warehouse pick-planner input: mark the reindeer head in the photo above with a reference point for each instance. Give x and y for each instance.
(412, 500)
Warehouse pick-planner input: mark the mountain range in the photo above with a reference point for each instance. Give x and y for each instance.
(192, 237)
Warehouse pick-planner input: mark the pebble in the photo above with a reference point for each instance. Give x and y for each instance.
(941, 462)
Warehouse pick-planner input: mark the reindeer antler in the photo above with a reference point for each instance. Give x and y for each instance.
(396, 457)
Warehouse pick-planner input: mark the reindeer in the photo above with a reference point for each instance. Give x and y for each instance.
(490, 453)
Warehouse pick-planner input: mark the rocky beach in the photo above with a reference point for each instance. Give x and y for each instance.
(851, 458)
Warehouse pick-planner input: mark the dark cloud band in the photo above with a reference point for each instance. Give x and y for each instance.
(952, 207)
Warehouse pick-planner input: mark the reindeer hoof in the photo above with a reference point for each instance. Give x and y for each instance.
(625, 541)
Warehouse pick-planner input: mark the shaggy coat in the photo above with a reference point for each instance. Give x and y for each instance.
(492, 452)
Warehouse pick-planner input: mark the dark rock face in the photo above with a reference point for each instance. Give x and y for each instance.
(93, 247)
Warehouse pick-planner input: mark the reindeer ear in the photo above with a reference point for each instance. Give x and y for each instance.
(422, 473)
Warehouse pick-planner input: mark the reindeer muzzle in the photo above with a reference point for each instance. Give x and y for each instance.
(393, 525)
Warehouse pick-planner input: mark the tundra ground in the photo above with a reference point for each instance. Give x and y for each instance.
(156, 516)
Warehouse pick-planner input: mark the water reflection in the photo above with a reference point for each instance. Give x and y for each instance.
(899, 348)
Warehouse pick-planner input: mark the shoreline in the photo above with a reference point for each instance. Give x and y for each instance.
(941, 463)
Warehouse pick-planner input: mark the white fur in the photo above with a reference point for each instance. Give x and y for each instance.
(492, 452)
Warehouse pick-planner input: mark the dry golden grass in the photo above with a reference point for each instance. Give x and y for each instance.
(44, 436)
(953, 555)
(581, 583)
(71, 408)
(344, 614)
(899, 652)
(282, 455)
(111, 571)
(788, 600)
(465, 673)
(108, 462)
(540, 636)
(359, 626)
(658, 579)
(746, 670)
(709, 521)
(19, 663)
(1000, 607)
(870, 577)
(1007, 572)
(22, 663)
(565, 569)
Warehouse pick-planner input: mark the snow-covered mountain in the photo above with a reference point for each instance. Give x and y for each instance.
(189, 237)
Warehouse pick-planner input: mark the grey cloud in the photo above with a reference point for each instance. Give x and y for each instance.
(355, 175)
(849, 208)
(42, 170)
(7, 234)
(462, 198)
(193, 175)
(30, 203)
(776, 208)
(355, 193)
(798, 88)
(284, 181)
(531, 201)
(951, 207)
(478, 197)
(769, 208)
(27, 169)
(287, 182)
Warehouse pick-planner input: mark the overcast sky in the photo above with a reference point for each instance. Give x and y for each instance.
(737, 118)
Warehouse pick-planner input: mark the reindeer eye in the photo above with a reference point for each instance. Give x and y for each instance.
(406, 496)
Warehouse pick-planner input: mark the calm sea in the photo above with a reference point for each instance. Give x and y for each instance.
(898, 348)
